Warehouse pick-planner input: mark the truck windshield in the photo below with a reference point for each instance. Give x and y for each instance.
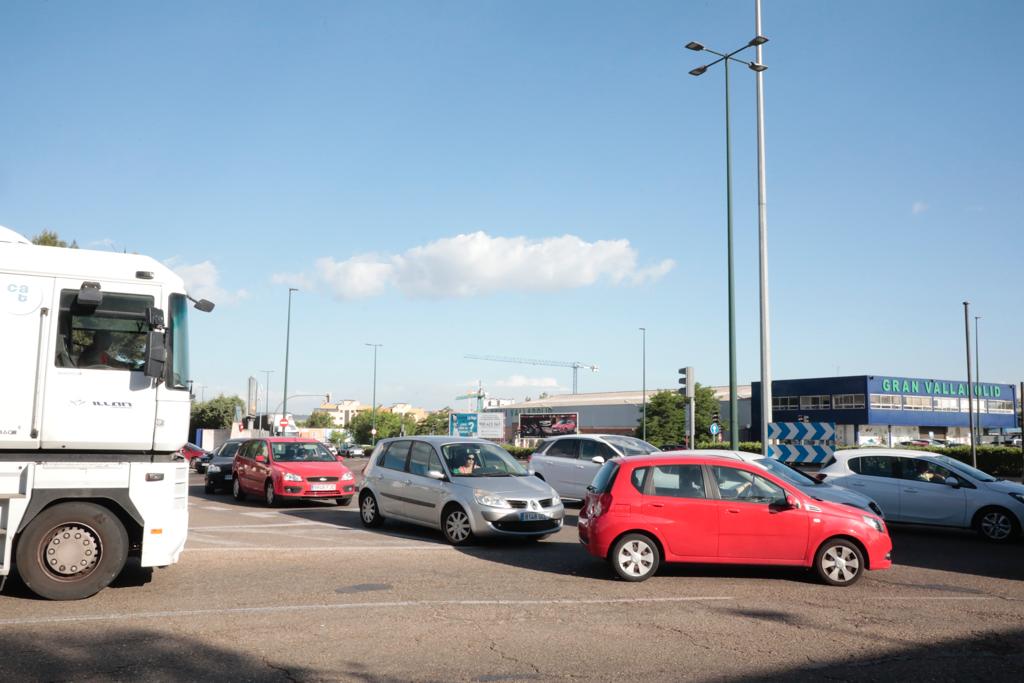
(179, 375)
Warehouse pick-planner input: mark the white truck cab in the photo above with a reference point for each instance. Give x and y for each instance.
(95, 401)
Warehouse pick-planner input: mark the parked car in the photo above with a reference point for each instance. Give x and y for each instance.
(219, 467)
(332, 449)
(678, 507)
(192, 453)
(569, 463)
(352, 450)
(281, 468)
(815, 487)
(464, 487)
(928, 488)
(564, 426)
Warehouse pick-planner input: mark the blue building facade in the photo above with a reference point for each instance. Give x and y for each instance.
(889, 409)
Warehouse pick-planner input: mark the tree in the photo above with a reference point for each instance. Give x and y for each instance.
(217, 413)
(49, 238)
(388, 425)
(319, 419)
(434, 423)
(666, 415)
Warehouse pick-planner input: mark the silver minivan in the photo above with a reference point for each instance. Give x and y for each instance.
(569, 463)
(464, 487)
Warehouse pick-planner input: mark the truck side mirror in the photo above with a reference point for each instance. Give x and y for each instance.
(154, 318)
(156, 355)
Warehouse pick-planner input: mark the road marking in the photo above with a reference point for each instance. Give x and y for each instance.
(354, 605)
(936, 597)
(236, 527)
(349, 548)
(260, 514)
(211, 508)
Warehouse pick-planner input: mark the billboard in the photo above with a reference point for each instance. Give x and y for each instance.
(540, 425)
(491, 425)
(462, 424)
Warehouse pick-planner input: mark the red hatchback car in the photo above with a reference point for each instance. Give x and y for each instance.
(643, 510)
(278, 468)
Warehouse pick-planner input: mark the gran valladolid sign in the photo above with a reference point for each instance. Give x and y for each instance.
(928, 387)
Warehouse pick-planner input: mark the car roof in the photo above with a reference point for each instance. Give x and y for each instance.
(848, 453)
(706, 457)
(588, 435)
(436, 439)
(283, 439)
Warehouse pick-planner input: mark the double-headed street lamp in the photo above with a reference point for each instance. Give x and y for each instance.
(725, 58)
(287, 344)
(373, 408)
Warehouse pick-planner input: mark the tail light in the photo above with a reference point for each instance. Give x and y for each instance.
(603, 505)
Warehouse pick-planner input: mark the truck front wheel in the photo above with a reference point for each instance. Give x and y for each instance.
(71, 551)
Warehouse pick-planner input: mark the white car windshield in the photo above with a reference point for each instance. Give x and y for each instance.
(964, 468)
(480, 460)
(628, 445)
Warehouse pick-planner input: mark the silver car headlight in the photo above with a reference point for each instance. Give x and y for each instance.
(873, 523)
(213, 469)
(555, 500)
(492, 501)
(288, 476)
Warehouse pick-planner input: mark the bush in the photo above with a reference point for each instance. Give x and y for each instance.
(518, 452)
(999, 461)
(745, 446)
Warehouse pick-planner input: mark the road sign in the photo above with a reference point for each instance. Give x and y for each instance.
(817, 441)
(802, 453)
(714, 429)
(373, 431)
(283, 423)
(802, 431)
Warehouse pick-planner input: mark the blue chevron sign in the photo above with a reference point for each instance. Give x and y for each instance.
(800, 453)
(802, 431)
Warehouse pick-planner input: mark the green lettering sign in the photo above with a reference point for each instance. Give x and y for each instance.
(962, 391)
(885, 385)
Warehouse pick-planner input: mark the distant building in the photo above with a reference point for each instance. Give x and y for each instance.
(493, 403)
(613, 412)
(885, 410)
(342, 411)
(406, 409)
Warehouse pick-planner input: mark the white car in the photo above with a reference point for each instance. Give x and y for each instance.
(925, 488)
(815, 488)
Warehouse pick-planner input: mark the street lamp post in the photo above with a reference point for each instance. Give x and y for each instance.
(977, 374)
(266, 399)
(643, 379)
(287, 345)
(725, 58)
(373, 407)
(762, 240)
(970, 383)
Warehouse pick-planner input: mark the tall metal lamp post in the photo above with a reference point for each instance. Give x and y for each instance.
(977, 374)
(287, 345)
(643, 379)
(725, 58)
(373, 408)
(266, 398)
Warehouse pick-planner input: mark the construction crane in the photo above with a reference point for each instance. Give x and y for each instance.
(575, 365)
(479, 395)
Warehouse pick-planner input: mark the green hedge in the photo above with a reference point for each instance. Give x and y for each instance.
(519, 452)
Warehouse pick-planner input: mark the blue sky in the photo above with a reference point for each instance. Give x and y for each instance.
(346, 145)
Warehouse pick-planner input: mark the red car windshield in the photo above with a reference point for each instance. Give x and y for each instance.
(301, 452)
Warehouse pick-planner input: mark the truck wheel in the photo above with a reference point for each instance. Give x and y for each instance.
(71, 551)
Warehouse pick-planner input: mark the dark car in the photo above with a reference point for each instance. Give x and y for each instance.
(218, 467)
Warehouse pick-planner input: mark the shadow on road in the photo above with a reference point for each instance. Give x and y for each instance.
(952, 550)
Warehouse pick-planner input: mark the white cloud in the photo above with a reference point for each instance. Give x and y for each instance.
(478, 263)
(918, 207)
(519, 381)
(201, 281)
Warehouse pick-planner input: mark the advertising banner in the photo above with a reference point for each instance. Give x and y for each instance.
(462, 424)
(491, 425)
(548, 424)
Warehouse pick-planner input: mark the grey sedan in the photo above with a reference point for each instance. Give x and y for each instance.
(463, 487)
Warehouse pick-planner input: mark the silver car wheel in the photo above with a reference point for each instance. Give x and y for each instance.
(369, 509)
(636, 558)
(840, 564)
(996, 525)
(457, 526)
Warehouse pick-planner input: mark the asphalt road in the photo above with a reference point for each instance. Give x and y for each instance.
(304, 593)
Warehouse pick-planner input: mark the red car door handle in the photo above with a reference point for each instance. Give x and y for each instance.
(733, 511)
(657, 505)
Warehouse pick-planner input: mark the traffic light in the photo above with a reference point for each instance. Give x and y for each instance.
(715, 418)
(688, 382)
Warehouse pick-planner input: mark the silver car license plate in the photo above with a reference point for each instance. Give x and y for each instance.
(532, 516)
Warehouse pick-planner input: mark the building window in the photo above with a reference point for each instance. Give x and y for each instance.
(847, 401)
(785, 402)
(815, 402)
(886, 402)
(1000, 406)
(947, 405)
(980, 405)
(917, 403)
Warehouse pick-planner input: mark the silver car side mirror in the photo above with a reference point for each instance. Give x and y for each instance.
(952, 481)
(434, 474)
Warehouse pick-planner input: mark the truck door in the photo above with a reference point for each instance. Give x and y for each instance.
(97, 396)
(25, 312)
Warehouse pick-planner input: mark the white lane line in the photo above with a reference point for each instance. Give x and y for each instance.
(212, 508)
(260, 514)
(936, 597)
(353, 605)
(239, 527)
(216, 541)
(348, 548)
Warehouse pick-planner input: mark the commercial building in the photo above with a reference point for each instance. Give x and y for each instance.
(887, 409)
(612, 412)
(342, 411)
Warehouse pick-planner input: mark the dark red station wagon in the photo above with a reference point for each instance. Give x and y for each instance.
(279, 468)
(678, 507)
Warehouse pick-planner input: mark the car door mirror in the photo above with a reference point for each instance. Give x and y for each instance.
(436, 474)
(597, 459)
(261, 458)
(953, 482)
(791, 503)
(339, 458)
